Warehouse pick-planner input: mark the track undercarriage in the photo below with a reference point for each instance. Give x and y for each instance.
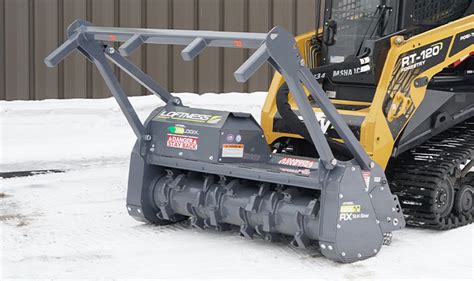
(434, 181)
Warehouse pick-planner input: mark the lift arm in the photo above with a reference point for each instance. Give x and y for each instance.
(277, 47)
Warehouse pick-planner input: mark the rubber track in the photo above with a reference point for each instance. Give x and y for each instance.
(415, 174)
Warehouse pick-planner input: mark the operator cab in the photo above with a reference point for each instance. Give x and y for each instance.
(348, 24)
(356, 38)
(348, 57)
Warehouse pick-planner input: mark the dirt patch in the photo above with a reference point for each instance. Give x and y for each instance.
(16, 219)
(20, 174)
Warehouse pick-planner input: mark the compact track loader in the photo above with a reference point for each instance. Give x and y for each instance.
(306, 173)
(401, 75)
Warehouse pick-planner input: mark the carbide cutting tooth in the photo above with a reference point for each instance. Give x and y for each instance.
(177, 182)
(268, 222)
(301, 240)
(264, 188)
(208, 181)
(300, 237)
(312, 208)
(247, 231)
(197, 223)
(166, 210)
(214, 217)
(253, 203)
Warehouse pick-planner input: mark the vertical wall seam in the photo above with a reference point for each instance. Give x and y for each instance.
(89, 78)
(170, 47)
(3, 51)
(144, 46)
(60, 17)
(196, 61)
(31, 46)
(246, 29)
(221, 50)
(270, 25)
(117, 70)
(317, 5)
(295, 16)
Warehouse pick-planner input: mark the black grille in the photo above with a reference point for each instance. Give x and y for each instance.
(438, 11)
(345, 12)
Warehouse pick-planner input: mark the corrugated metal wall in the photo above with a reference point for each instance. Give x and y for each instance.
(29, 29)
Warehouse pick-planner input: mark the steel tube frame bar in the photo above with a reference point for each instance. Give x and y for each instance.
(93, 49)
(276, 47)
(138, 75)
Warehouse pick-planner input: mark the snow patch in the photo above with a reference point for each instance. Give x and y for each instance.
(75, 224)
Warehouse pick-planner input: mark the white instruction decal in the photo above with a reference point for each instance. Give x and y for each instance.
(233, 150)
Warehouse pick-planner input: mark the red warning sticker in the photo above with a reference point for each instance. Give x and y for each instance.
(183, 142)
(366, 176)
(238, 43)
(296, 162)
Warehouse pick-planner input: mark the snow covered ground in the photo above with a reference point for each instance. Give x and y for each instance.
(74, 224)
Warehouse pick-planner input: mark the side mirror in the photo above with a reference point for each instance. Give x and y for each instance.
(330, 30)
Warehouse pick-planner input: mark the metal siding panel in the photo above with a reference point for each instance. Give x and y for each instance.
(284, 14)
(75, 66)
(234, 12)
(209, 63)
(183, 71)
(46, 40)
(2, 50)
(102, 15)
(320, 16)
(158, 56)
(306, 16)
(259, 21)
(212, 72)
(17, 53)
(130, 16)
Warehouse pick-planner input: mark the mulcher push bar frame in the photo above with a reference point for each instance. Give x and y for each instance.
(277, 47)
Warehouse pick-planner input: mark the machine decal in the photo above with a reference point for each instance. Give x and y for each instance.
(182, 142)
(351, 71)
(349, 207)
(182, 130)
(462, 41)
(350, 211)
(323, 121)
(398, 105)
(353, 121)
(416, 60)
(304, 172)
(344, 70)
(366, 176)
(288, 161)
(190, 117)
(233, 150)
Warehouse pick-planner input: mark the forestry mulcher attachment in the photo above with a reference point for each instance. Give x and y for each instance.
(384, 85)
(216, 168)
